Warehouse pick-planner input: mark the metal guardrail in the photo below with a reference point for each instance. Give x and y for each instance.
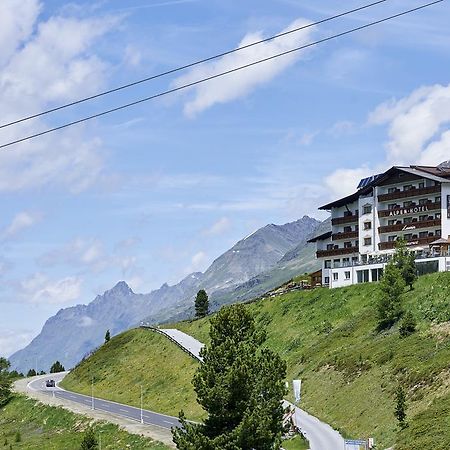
(159, 331)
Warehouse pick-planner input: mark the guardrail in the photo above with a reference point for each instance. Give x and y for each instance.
(159, 331)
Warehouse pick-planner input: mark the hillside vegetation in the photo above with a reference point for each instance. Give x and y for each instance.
(139, 358)
(28, 425)
(350, 372)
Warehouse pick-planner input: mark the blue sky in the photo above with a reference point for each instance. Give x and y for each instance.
(155, 192)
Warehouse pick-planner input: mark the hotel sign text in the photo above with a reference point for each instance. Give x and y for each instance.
(413, 210)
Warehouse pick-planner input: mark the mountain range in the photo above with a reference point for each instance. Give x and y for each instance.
(265, 259)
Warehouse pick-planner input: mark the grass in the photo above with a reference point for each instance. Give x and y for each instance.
(28, 425)
(296, 443)
(138, 358)
(350, 372)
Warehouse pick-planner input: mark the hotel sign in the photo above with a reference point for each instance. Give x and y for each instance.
(413, 210)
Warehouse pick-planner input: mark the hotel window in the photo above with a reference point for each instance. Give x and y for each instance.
(408, 236)
(391, 222)
(347, 229)
(392, 205)
(421, 185)
(423, 201)
(330, 246)
(437, 216)
(438, 233)
(368, 241)
(336, 262)
(392, 238)
(345, 262)
(327, 280)
(423, 234)
(347, 244)
(391, 190)
(367, 225)
(335, 276)
(437, 199)
(407, 220)
(422, 218)
(367, 209)
(347, 275)
(347, 213)
(363, 276)
(328, 264)
(408, 187)
(354, 259)
(407, 204)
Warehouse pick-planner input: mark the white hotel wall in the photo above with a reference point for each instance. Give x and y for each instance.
(444, 266)
(445, 198)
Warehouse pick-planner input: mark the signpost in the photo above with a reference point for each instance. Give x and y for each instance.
(359, 444)
(297, 390)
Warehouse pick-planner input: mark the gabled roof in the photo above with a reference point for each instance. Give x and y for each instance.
(321, 237)
(441, 175)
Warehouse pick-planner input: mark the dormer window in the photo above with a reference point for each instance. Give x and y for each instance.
(367, 209)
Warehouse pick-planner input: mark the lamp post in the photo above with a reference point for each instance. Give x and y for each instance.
(142, 416)
(92, 394)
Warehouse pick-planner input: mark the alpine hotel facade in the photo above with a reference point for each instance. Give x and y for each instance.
(412, 203)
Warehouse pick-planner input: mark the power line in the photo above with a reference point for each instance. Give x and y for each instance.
(187, 66)
(236, 69)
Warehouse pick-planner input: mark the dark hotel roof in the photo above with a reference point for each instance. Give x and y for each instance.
(321, 237)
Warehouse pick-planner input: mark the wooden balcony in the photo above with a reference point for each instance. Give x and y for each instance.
(346, 219)
(415, 192)
(337, 252)
(411, 243)
(410, 226)
(345, 235)
(418, 209)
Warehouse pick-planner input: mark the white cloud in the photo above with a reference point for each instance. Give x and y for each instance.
(13, 340)
(233, 86)
(418, 126)
(219, 227)
(20, 222)
(198, 263)
(38, 289)
(51, 62)
(86, 321)
(343, 182)
(418, 131)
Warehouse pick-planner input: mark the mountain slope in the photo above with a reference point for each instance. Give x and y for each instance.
(349, 371)
(74, 331)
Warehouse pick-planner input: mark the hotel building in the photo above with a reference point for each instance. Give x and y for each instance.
(412, 203)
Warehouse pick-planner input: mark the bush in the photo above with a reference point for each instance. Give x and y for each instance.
(89, 441)
(408, 325)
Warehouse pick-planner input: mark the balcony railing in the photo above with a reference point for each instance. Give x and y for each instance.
(414, 192)
(345, 235)
(418, 209)
(345, 219)
(337, 252)
(410, 226)
(410, 243)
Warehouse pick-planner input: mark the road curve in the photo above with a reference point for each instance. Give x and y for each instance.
(117, 409)
(319, 434)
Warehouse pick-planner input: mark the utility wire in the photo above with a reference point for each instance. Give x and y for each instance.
(187, 66)
(236, 69)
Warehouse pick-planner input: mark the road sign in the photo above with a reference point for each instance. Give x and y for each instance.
(356, 444)
(297, 390)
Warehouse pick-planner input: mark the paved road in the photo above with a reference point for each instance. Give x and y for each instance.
(320, 435)
(129, 412)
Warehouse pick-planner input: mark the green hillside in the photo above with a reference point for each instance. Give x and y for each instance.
(134, 358)
(349, 371)
(28, 425)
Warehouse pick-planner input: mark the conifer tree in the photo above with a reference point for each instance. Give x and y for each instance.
(57, 367)
(392, 286)
(107, 336)
(240, 385)
(201, 304)
(400, 408)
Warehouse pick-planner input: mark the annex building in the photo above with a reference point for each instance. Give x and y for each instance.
(410, 202)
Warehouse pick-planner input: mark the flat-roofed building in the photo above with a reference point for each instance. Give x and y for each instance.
(412, 203)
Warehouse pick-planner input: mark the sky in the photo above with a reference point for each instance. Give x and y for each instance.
(154, 192)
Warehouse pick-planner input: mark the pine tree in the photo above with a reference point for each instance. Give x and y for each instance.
(5, 389)
(57, 367)
(201, 304)
(408, 325)
(31, 373)
(405, 261)
(239, 385)
(107, 336)
(89, 441)
(400, 408)
(391, 286)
